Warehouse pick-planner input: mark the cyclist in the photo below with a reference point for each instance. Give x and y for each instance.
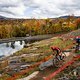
(78, 43)
(57, 52)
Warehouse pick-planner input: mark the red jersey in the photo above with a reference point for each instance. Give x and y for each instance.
(56, 48)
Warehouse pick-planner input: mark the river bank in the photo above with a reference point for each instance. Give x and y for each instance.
(38, 51)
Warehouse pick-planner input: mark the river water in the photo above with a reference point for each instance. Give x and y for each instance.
(8, 50)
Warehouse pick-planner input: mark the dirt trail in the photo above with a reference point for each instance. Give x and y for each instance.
(51, 69)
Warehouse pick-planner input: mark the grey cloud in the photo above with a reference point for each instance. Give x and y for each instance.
(11, 7)
(7, 6)
(39, 7)
(8, 12)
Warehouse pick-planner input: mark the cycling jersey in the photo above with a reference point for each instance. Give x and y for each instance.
(56, 48)
(78, 39)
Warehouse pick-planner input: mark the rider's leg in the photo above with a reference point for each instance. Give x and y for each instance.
(77, 48)
(61, 56)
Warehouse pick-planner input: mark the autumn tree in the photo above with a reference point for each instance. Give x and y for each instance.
(78, 23)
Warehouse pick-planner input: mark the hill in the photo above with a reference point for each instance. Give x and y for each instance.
(2, 17)
(67, 16)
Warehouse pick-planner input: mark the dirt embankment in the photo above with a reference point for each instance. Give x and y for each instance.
(39, 50)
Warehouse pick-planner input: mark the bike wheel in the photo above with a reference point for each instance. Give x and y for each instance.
(56, 62)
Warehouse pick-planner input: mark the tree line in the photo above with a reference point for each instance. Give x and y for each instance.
(19, 28)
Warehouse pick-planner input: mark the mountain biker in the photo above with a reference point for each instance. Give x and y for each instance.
(57, 52)
(78, 40)
(78, 43)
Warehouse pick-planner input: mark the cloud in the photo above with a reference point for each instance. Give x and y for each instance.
(39, 8)
(14, 8)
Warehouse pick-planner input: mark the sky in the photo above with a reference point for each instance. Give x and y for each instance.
(39, 8)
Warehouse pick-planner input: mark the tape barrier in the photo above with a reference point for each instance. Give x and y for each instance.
(62, 68)
(15, 76)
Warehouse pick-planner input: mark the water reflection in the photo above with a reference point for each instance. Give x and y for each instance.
(5, 49)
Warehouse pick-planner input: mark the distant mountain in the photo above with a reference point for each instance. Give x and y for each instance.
(68, 16)
(1, 56)
(2, 17)
(5, 18)
(77, 16)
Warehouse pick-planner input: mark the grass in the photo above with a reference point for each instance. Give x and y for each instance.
(42, 49)
(78, 52)
(68, 71)
(4, 77)
(30, 72)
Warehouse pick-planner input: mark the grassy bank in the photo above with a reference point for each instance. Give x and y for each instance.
(42, 49)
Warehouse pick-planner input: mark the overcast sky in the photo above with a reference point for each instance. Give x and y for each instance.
(39, 8)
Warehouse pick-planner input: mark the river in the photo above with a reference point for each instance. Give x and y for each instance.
(8, 50)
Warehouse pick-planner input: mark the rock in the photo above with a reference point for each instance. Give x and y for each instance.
(34, 48)
(30, 76)
(0, 75)
(46, 64)
(28, 45)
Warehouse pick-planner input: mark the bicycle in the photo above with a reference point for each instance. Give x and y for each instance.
(58, 59)
(77, 48)
(53, 61)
